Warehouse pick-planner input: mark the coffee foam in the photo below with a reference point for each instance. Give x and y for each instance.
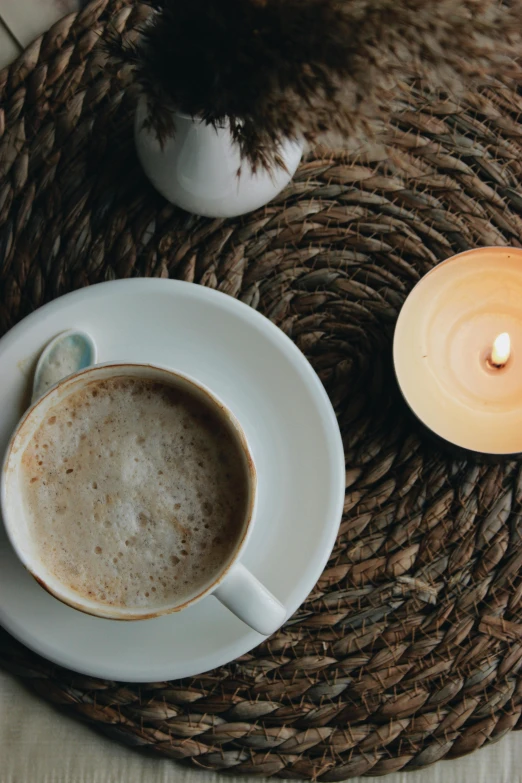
(135, 492)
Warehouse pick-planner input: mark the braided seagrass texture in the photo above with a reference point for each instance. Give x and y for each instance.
(409, 649)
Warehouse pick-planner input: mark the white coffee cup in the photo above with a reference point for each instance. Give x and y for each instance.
(235, 586)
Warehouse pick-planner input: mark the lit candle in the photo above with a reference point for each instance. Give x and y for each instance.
(457, 350)
(501, 350)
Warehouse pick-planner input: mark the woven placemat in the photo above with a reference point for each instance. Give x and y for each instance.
(410, 647)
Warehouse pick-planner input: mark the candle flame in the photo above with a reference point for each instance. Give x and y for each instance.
(501, 350)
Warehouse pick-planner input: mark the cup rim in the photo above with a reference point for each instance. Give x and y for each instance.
(115, 613)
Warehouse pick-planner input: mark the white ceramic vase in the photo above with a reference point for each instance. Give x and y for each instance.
(197, 169)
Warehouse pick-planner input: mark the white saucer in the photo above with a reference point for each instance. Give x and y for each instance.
(295, 440)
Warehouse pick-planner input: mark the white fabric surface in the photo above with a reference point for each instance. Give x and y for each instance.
(40, 745)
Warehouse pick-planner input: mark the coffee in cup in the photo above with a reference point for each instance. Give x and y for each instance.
(129, 491)
(135, 492)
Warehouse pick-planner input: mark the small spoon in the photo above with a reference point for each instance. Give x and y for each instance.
(67, 353)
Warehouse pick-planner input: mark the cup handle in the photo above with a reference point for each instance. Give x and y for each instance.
(249, 600)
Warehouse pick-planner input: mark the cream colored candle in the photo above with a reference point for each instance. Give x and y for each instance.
(458, 350)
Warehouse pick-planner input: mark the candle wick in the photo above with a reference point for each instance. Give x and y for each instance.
(492, 364)
(496, 365)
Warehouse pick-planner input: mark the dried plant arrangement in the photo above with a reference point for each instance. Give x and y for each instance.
(277, 69)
